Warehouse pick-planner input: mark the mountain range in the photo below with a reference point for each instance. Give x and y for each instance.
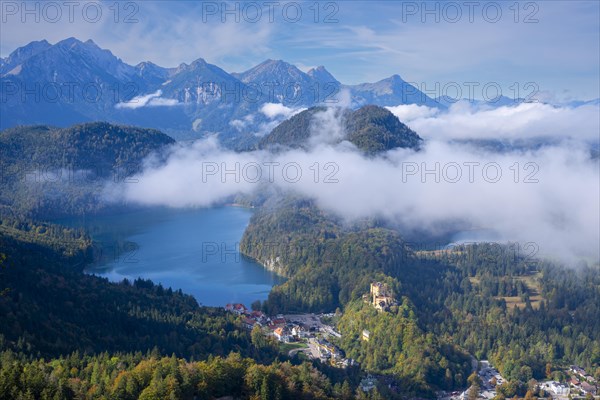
(73, 82)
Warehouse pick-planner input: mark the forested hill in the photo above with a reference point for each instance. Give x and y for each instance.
(330, 265)
(49, 171)
(67, 335)
(529, 317)
(372, 129)
(49, 307)
(98, 146)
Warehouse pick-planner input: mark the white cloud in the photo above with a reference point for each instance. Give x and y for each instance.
(327, 127)
(274, 110)
(409, 112)
(524, 121)
(241, 124)
(548, 196)
(159, 101)
(247, 124)
(148, 100)
(238, 124)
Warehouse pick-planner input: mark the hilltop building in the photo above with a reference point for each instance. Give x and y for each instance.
(381, 296)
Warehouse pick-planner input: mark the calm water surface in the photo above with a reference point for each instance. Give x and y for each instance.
(193, 250)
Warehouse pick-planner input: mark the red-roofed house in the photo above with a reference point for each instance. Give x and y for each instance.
(278, 333)
(239, 309)
(587, 388)
(574, 381)
(249, 323)
(281, 334)
(259, 316)
(278, 322)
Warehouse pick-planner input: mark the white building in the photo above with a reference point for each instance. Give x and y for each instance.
(557, 388)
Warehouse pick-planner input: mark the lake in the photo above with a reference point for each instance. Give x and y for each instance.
(194, 250)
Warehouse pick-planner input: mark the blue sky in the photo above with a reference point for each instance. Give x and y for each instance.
(553, 44)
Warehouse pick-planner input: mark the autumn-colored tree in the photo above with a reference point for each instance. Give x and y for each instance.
(549, 370)
(473, 393)
(529, 395)
(474, 379)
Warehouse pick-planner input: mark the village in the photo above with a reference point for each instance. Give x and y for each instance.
(306, 333)
(311, 334)
(309, 331)
(577, 384)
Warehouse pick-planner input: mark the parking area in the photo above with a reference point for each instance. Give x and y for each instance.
(306, 320)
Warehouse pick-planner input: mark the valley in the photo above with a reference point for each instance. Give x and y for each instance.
(446, 306)
(202, 220)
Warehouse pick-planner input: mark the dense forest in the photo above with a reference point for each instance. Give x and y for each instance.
(68, 335)
(50, 307)
(397, 346)
(530, 317)
(65, 169)
(149, 376)
(550, 323)
(327, 266)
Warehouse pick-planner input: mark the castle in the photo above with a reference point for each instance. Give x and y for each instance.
(382, 297)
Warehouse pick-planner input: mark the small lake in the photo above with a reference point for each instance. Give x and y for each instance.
(195, 250)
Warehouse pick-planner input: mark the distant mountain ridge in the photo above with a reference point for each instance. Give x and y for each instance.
(73, 82)
(320, 74)
(391, 91)
(21, 54)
